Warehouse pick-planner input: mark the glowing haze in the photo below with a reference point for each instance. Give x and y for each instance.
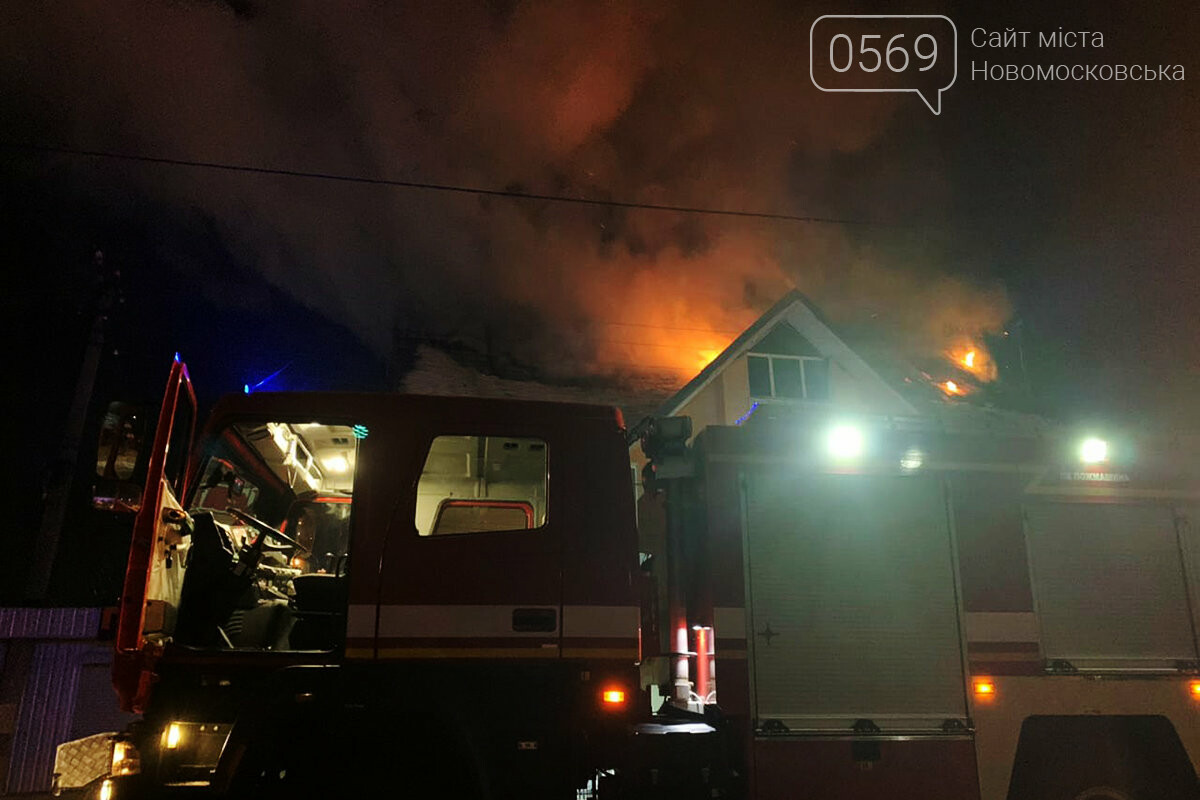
(655, 103)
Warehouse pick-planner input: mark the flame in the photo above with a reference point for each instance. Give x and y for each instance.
(973, 358)
(664, 323)
(705, 357)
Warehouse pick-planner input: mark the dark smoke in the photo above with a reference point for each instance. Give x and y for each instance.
(695, 104)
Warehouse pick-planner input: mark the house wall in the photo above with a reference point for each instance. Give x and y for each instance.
(727, 398)
(708, 406)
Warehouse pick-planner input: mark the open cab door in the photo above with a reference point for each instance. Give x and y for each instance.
(154, 574)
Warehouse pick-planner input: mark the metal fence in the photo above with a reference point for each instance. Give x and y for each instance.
(43, 654)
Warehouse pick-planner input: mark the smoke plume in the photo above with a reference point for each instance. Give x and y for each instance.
(688, 104)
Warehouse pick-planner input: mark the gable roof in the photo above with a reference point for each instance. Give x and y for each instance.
(783, 339)
(460, 371)
(800, 314)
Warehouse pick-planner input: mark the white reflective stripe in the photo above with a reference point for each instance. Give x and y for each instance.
(427, 621)
(360, 622)
(729, 622)
(618, 622)
(1002, 626)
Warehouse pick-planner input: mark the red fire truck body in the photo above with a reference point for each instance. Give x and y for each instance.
(914, 613)
(353, 590)
(346, 591)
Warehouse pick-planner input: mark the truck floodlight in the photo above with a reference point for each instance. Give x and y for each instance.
(1093, 450)
(912, 459)
(844, 442)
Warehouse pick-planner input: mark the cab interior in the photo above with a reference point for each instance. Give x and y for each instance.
(257, 559)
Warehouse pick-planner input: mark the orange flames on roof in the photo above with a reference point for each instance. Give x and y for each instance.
(671, 348)
(973, 365)
(705, 357)
(973, 358)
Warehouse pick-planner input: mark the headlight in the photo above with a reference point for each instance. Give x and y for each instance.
(190, 751)
(173, 735)
(125, 759)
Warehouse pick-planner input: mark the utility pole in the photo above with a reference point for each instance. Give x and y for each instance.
(62, 470)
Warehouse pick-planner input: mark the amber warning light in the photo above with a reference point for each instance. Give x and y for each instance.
(613, 697)
(1194, 690)
(985, 689)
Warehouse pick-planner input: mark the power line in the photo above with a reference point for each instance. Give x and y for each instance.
(421, 185)
(663, 327)
(650, 326)
(648, 344)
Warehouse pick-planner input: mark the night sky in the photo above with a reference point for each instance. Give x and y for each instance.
(1065, 210)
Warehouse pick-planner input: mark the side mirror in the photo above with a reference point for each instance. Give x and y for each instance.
(119, 459)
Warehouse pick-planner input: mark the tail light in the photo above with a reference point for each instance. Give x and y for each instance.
(613, 698)
(1194, 690)
(983, 688)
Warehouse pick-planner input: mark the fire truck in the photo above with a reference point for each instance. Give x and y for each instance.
(337, 593)
(342, 592)
(915, 609)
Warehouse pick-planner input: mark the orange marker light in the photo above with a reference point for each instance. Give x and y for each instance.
(613, 697)
(985, 689)
(1194, 690)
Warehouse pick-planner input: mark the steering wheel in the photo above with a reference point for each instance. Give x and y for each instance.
(266, 530)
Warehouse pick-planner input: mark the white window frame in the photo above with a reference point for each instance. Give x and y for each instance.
(771, 358)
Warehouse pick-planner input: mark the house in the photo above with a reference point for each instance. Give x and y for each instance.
(789, 358)
(792, 361)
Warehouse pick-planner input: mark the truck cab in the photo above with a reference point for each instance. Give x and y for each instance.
(339, 588)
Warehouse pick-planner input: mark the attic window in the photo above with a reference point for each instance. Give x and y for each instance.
(787, 377)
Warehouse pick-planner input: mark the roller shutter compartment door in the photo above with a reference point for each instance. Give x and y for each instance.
(1108, 583)
(854, 608)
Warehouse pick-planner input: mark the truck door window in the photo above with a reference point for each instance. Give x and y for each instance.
(264, 559)
(177, 446)
(482, 484)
